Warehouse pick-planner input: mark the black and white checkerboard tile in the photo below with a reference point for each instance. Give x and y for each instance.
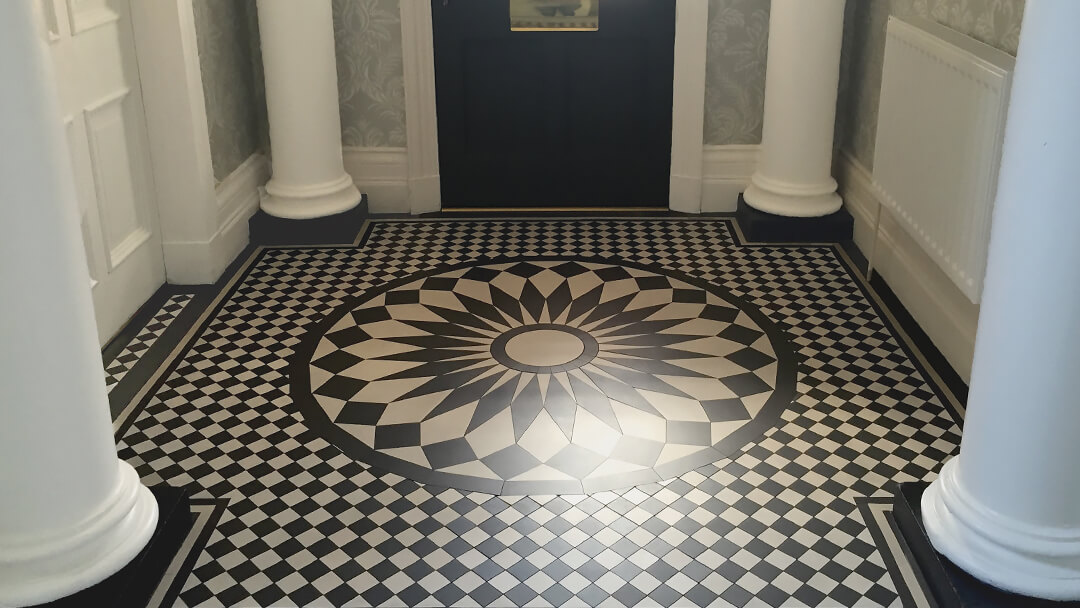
(122, 364)
(774, 524)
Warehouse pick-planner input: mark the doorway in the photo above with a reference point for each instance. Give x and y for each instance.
(570, 107)
(106, 134)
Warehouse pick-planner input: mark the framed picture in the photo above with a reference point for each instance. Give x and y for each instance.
(554, 15)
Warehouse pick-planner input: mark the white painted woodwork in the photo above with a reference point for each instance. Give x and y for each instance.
(71, 513)
(172, 89)
(939, 307)
(421, 124)
(941, 124)
(1006, 508)
(688, 106)
(308, 177)
(93, 54)
(794, 177)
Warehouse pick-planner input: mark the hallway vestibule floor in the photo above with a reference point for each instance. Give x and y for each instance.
(504, 412)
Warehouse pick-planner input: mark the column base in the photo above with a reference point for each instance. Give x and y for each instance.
(75, 559)
(950, 585)
(1040, 561)
(779, 198)
(337, 229)
(136, 583)
(310, 202)
(759, 226)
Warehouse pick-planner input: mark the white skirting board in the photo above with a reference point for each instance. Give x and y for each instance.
(727, 173)
(202, 262)
(383, 174)
(942, 310)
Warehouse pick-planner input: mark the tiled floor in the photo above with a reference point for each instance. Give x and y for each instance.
(116, 369)
(643, 412)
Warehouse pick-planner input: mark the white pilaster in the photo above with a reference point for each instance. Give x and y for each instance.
(1007, 509)
(794, 172)
(71, 513)
(309, 178)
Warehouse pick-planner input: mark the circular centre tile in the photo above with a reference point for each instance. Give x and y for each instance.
(543, 376)
(544, 348)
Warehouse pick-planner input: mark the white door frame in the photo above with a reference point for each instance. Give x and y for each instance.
(688, 105)
(171, 79)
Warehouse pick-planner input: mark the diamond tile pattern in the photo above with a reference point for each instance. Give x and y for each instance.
(122, 364)
(773, 525)
(629, 368)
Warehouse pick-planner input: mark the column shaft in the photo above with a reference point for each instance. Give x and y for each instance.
(793, 177)
(1007, 509)
(71, 513)
(309, 178)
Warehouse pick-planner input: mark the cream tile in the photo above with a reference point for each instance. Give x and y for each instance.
(373, 349)
(392, 329)
(493, 435)
(442, 299)
(675, 451)
(583, 284)
(591, 433)
(330, 405)
(543, 439)
(510, 283)
(374, 369)
(445, 427)
(723, 429)
(474, 468)
(363, 432)
(413, 454)
(413, 312)
(701, 389)
(546, 281)
(542, 473)
(410, 410)
(385, 391)
(319, 377)
(652, 297)
(677, 310)
(615, 467)
(474, 289)
(716, 367)
(637, 423)
(676, 408)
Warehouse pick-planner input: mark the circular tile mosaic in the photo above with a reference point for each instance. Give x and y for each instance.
(543, 376)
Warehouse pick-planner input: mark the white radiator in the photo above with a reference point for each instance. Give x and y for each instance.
(941, 123)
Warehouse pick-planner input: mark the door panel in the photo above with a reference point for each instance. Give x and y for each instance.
(97, 77)
(554, 118)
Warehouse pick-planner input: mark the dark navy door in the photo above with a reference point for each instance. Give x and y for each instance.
(541, 118)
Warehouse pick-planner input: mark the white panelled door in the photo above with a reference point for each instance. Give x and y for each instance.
(93, 50)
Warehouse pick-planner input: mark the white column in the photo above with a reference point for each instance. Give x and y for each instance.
(794, 174)
(309, 178)
(71, 513)
(1007, 509)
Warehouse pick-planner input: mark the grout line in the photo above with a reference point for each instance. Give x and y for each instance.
(211, 307)
(903, 335)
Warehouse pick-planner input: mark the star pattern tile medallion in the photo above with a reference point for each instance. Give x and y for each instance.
(543, 375)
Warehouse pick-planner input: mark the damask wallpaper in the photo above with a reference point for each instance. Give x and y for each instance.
(735, 71)
(995, 22)
(227, 38)
(371, 86)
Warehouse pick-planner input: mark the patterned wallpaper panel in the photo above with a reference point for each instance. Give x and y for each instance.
(995, 22)
(227, 38)
(368, 38)
(735, 71)
(371, 87)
